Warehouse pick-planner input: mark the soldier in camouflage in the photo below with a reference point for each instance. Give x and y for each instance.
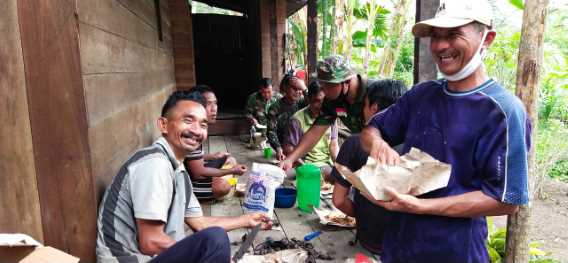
(344, 97)
(280, 112)
(259, 102)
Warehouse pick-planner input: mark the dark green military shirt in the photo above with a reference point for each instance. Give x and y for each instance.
(350, 114)
(257, 107)
(279, 115)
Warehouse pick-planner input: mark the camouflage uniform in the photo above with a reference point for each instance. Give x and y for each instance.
(334, 69)
(257, 107)
(279, 115)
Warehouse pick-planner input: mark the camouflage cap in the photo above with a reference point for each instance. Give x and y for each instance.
(334, 69)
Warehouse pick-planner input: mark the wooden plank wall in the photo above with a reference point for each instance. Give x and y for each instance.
(277, 28)
(19, 199)
(56, 105)
(128, 73)
(265, 39)
(182, 35)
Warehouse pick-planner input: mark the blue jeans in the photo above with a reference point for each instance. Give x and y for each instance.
(208, 245)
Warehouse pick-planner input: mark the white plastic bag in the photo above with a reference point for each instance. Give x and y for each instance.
(261, 186)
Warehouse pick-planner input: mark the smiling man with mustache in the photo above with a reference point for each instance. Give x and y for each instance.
(465, 119)
(146, 206)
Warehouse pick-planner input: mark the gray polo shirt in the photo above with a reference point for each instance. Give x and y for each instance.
(151, 185)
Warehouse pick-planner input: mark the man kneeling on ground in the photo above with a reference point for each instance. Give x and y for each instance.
(205, 170)
(324, 152)
(371, 218)
(142, 214)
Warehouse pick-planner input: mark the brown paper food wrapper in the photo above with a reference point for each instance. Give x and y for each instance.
(417, 173)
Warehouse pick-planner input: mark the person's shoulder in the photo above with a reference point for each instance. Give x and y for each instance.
(504, 99)
(427, 86)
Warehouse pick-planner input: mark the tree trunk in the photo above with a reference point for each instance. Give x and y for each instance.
(312, 20)
(333, 28)
(528, 76)
(348, 44)
(390, 52)
(371, 15)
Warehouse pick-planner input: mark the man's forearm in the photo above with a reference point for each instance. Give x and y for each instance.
(472, 204)
(214, 172)
(227, 223)
(308, 141)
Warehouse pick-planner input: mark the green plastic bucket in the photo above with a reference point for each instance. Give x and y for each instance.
(308, 186)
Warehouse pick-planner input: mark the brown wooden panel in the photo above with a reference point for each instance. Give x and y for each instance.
(103, 52)
(109, 93)
(119, 135)
(143, 9)
(179, 14)
(19, 200)
(50, 46)
(111, 16)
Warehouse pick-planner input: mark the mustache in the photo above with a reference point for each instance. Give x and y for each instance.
(191, 135)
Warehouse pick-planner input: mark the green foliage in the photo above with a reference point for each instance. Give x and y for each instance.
(560, 170)
(299, 40)
(496, 243)
(359, 38)
(551, 148)
(518, 4)
(405, 62)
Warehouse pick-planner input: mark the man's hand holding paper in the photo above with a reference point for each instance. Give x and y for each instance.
(416, 174)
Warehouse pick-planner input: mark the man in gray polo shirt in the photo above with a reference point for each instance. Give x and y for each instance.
(142, 214)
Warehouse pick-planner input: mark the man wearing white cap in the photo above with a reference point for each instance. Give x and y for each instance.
(465, 119)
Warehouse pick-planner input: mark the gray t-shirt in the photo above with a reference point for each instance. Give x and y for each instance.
(151, 185)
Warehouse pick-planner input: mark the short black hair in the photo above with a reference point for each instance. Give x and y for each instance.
(264, 83)
(180, 95)
(202, 88)
(313, 89)
(385, 92)
(285, 82)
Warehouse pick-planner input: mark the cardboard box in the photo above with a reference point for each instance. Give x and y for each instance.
(20, 248)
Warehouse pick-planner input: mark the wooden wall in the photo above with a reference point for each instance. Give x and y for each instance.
(82, 84)
(182, 36)
(265, 40)
(56, 106)
(127, 73)
(19, 199)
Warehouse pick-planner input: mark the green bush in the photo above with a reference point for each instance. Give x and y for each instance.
(559, 170)
(496, 243)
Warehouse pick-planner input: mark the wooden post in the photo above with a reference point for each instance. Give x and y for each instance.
(182, 37)
(19, 199)
(424, 68)
(58, 120)
(312, 37)
(528, 77)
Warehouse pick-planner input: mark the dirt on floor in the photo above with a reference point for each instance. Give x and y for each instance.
(549, 220)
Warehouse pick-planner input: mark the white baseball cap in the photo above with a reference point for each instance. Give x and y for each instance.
(455, 13)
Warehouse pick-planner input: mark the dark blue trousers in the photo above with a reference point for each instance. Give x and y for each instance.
(208, 245)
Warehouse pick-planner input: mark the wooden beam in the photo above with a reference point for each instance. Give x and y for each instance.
(424, 68)
(50, 45)
(19, 200)
(182, 37)
(528, 79)
(312, 37)
(265, 39)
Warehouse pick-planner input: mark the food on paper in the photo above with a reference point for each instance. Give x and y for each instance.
(417, 173)
(334, 217)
